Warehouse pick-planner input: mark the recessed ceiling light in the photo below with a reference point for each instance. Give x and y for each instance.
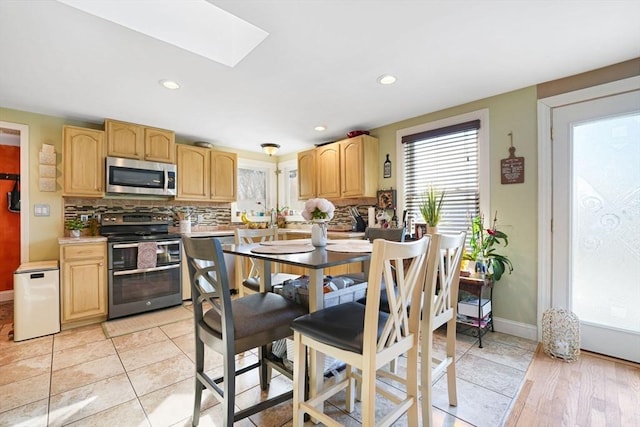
(170, 84)
(320, 128)
(386, 79)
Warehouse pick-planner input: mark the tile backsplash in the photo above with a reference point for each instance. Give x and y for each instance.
(200, 214)
(207, 215)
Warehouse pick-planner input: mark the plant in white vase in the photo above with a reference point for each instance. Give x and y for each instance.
(483, 242)
(75, 226)
(431, 208)
(318, 211)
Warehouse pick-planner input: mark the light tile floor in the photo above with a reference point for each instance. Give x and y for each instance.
(80, 378)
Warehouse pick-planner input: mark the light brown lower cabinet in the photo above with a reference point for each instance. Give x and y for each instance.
(83, 270)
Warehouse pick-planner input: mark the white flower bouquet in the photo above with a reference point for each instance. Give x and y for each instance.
(315, 209)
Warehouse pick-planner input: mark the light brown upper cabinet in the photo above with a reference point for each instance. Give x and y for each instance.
(359, 167)
(224, 177)
(204, 174)
(343, 169)
(83, 161)
(307, 174)
(327, 166)
(139, 142)
(159, 145)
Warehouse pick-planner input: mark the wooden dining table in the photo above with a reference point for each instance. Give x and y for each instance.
(315, 261)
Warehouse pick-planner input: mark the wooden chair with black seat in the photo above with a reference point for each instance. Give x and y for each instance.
(371, 234)
(248, 269)
(367, 339)
(439, 307)
(230, 327)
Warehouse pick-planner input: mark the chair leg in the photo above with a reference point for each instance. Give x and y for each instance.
(299, 379)
(411, 380)
(265, 370)
(351, 390)
(426, 376)
(229, 388)
(198, 385)
(451, 369)
(393, 366)
(368, 396)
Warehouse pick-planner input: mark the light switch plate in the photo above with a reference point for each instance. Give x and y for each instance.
(41, 210)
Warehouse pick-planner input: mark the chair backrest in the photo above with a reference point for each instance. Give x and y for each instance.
(393, 234)
(441, 291)
(209, 280)
(410, 259)
(244, 236)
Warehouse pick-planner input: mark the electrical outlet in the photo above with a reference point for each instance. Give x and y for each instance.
(84, 218)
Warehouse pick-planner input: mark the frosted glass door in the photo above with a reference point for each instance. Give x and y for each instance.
(596, 232)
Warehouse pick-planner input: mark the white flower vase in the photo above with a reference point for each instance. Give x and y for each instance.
(75, 233)
(319, 234)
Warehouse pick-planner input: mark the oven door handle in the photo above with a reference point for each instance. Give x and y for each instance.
(135, 245)
(145, 270)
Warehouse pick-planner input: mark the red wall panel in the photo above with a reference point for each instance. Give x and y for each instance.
(9, 222)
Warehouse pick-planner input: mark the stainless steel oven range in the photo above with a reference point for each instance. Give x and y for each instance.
(139, 281)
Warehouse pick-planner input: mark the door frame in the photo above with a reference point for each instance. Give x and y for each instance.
(545, 178)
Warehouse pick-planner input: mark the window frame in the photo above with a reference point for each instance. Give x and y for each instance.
(484, 178)
(285, 167)
(272, 182)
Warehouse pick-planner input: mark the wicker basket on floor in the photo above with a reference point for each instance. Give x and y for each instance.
(561, 334)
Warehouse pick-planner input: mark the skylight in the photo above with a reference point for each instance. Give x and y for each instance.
(196, 25)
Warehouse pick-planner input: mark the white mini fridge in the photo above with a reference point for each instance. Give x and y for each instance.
(36, 300)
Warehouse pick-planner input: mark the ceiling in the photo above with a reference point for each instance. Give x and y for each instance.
(317, 66)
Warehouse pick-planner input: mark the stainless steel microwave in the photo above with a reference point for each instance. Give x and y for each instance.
(127, 176)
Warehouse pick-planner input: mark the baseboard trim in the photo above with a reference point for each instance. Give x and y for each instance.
(518, 329)
(6, 296)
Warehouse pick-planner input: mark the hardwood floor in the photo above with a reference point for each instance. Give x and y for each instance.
(593, 391)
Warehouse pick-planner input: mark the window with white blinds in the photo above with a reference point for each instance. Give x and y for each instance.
(446, 158)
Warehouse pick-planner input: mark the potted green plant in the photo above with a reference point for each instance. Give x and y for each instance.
(75, 226)
(483, 251)
(431, 208)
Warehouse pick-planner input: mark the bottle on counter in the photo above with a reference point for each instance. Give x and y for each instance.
(394, 218)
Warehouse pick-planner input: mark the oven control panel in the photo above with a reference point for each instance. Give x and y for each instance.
(134, 218)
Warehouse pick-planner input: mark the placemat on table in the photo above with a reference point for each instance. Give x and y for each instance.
(350, 247)
(283, 249)
(295, 242)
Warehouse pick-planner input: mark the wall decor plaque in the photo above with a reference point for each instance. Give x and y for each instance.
(512, 168)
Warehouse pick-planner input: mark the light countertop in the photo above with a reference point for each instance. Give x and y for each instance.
(331, 234)
(302, 232)
(80, 240)
(211, 233)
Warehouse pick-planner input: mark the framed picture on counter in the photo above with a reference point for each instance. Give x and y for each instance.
(421, 230)
(386, 199)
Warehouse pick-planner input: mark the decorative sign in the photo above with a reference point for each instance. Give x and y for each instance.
(387, 168)
(47, 180)
(512, 168)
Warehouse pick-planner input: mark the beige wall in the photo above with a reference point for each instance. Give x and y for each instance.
(43, 129)
(43, 231)
(515, 295)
